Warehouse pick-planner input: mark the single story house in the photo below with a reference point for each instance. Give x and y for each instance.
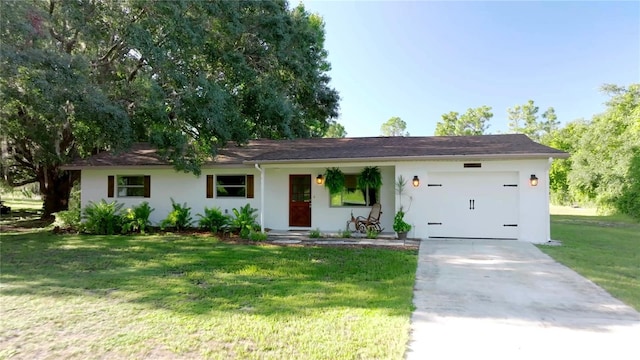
(489, 186)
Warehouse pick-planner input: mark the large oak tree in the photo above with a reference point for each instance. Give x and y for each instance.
(189, 76)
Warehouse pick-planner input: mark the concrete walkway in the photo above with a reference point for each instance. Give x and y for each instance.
(491, 299)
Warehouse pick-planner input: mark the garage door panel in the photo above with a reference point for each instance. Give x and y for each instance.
(477, 205)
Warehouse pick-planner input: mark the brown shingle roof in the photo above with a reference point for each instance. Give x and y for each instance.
(140, 154)
(347, 149)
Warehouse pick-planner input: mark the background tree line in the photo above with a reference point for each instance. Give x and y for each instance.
(604, 167)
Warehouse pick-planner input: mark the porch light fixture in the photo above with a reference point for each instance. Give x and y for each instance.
(415, 181)
(533, 180)
(319, 179)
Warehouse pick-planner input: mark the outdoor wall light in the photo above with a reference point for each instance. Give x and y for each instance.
(319, 179)
(533, 180)
(415, 181)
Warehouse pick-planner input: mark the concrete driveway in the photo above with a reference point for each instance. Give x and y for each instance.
(492, 299)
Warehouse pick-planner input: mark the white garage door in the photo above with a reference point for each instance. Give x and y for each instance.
(472, 205)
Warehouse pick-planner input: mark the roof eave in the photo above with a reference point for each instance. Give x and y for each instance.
(417, 158)
(342, 160)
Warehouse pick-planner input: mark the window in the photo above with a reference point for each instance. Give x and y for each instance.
(234, 186)
(351, 195)
(133, 186)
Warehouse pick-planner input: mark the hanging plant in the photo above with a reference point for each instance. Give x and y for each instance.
(334, 180)
(370, 178)
(369, 182)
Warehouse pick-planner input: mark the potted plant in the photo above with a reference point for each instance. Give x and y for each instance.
(370, 181)
(400, 226)
(334, 180)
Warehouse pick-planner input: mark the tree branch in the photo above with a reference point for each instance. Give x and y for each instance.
(69, 46)
(56, 36)
(133, 73)
(22, 182)
(23, 162)
(111, 50)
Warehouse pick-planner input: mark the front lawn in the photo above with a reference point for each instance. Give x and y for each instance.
(604, 249)
(166, 297)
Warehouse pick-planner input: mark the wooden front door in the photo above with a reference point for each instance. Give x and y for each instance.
(300, 200)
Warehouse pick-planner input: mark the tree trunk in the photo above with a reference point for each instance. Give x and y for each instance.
(55, 187)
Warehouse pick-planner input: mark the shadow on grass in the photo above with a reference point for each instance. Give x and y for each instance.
(199, 275)
(24, 220)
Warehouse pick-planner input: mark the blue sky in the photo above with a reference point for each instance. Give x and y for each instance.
(421, 59)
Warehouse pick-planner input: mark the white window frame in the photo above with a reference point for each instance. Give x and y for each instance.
(216, 186)
(126, 187)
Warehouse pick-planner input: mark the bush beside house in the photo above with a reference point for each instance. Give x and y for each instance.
(108, 218)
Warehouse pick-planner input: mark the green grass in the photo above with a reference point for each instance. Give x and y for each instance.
(570, 210)
(23, 203)
(604, 249)
(77, 297)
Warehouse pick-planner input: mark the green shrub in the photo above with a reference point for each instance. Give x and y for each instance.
(103, 218)
(244, 220)
(315, 234)
(257, 236)
(179, 218)
(136, 219)
(68, 218)
(399, 225)
(213, 219)
(372, 233)
(345, 234)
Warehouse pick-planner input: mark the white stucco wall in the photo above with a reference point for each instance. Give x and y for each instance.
(167, 184)
(533, 206)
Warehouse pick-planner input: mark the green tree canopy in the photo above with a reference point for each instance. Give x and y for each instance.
(523, 119)
(473, 122)
(395, 126)
(550, 123)
(566, 138)
(189, 76)
(605, 164)
(335, 130)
